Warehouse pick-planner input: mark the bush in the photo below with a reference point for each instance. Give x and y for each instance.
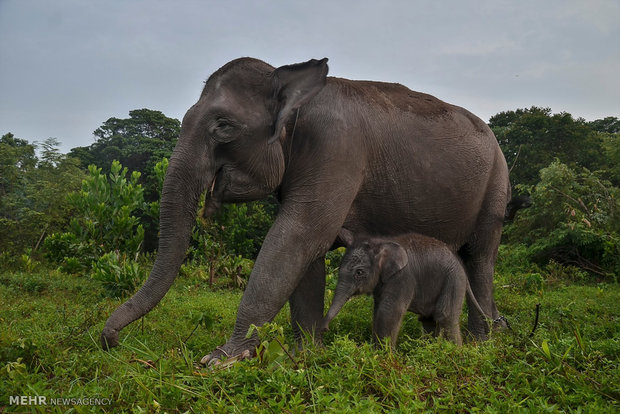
(33, 189)
(104, 222)
(72, 254)
(229, 241)
(107, 205)
(240, 228)
(574, 220)
(118, 274)
(231, 271)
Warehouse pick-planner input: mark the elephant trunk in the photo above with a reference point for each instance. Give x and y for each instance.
(181, 191)
(341, 297)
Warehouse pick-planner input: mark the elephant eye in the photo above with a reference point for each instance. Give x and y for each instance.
(359, 273)
(223, 126)
(222, 130)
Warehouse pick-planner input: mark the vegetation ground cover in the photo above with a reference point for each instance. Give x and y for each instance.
(51, 323)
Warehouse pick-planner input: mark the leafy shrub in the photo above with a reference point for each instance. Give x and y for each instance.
(574, 220)
(559, 272)
(228, 242)
(33, 189)
(72, 254)
(240, 228)
(152, 208)
(332, 266)
(514, 258)
(226, 270)
(106, 205)
(105, 220)
(118, 274)
(533, 283)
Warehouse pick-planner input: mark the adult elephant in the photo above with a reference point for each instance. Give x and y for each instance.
(376, 158)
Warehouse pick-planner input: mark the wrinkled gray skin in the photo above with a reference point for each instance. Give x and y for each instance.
(375, 157)
(411, 272)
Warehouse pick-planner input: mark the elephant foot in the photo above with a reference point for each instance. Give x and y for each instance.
(219, 363)
(228, 354)
(109, 338)
(501, 324)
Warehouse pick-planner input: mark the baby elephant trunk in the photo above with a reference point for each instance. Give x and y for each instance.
(341, 297)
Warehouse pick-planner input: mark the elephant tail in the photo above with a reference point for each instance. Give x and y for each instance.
(473, 302)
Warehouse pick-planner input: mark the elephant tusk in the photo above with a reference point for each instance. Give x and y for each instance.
(213, 184)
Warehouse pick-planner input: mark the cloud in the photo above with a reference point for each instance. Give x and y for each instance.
(67, 66)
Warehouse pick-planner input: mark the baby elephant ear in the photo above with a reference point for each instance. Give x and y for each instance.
(346, 237)
(392, 259)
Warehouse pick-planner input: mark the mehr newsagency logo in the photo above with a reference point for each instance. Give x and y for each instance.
(43, 400)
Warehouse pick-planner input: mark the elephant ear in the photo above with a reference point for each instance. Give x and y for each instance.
(392, 258)
(346, 237)
(294, 85)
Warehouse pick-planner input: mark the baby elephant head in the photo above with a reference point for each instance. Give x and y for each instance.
(367, 262)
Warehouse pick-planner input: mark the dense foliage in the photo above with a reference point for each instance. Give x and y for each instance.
(533, 138)
(139, 143)
(104, 220)
(33, 192)
(570, 168)
(574, 220)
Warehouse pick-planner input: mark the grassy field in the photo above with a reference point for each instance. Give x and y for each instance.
(50, 323)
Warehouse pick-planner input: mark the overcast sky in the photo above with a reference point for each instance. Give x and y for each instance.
(66, 66)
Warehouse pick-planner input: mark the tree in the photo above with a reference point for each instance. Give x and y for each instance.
(145, 137)
(17, 160)
(105, 219)
(574, 219)
(611, 152)
(532, 138)
(139, 143)
(610, 125)
(33, 192)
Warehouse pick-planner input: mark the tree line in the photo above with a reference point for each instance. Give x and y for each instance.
(97, 206)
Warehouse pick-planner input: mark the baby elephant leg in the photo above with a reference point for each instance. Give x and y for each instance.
(450, 330)
(387, 321)
(450, 305)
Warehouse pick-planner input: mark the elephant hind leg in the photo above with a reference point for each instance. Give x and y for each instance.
(308, 300)
(479, 258)
(450, 330)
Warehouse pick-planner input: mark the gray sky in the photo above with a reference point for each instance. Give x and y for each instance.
(66, 66)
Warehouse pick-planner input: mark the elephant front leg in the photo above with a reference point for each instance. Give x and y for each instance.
(307, 302)
(287, 267)
(388, 318)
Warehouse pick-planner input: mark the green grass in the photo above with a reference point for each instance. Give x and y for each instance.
(50, 324)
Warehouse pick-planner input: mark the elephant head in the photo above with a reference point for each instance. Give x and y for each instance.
(367, 263)
(231, 144)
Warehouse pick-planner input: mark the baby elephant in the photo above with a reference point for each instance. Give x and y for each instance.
(411, 272)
